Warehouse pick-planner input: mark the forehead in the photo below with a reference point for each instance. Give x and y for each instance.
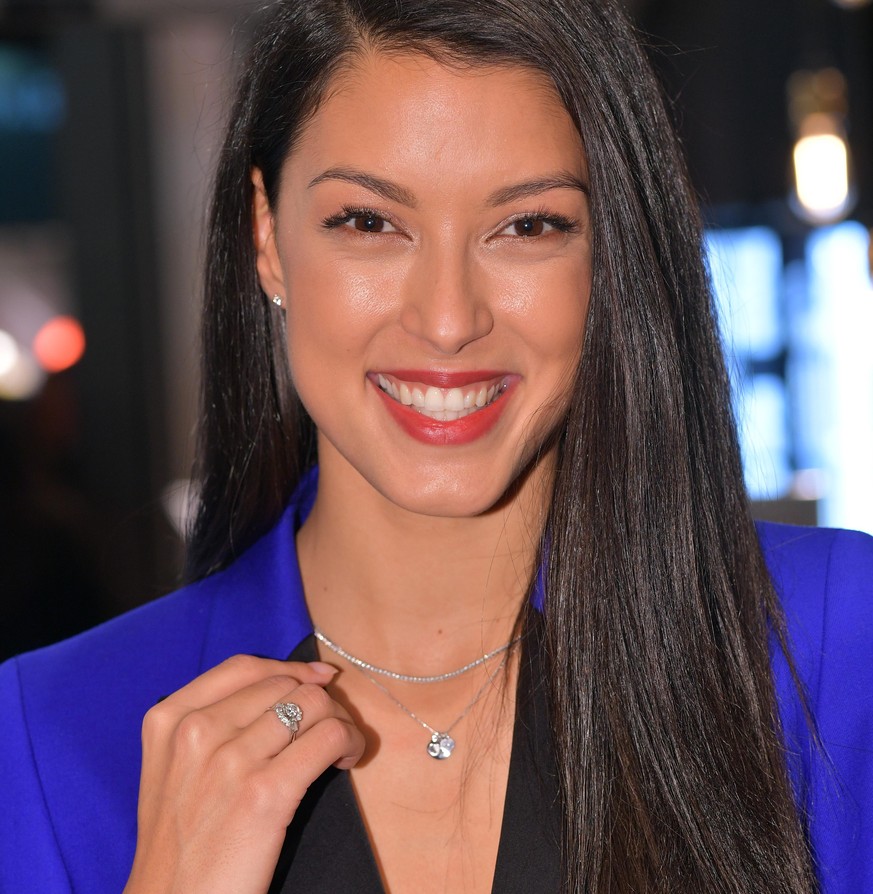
(411, 115)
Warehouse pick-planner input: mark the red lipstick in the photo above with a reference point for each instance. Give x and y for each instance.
(453, 432)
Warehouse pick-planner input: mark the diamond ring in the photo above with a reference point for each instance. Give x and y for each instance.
(290, 715)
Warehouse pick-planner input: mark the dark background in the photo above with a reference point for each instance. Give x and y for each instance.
(112, 179)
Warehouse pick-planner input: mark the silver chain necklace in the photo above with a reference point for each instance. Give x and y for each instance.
(441, 744)
(407, 678)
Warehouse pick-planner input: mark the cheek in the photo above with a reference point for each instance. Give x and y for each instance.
(548, 306)
(332, 310)
(551, 309)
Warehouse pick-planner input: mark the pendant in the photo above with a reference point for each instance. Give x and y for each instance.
(441, 746)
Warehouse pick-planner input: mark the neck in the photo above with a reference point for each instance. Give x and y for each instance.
(415, 593)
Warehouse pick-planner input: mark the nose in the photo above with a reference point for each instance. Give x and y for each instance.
(446, 304)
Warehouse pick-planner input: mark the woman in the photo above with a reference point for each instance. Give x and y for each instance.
(452, 256)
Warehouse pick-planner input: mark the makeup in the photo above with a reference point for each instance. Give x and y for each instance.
(444, 408)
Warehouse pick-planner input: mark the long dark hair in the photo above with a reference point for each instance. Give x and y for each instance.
(658, 606)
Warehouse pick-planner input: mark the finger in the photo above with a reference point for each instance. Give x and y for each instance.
(268, 735)
(242, 708)
(330, 742)
(241, 671)
(184, 717)
(211, 726)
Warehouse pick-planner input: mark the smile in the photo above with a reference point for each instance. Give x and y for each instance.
(443, 404)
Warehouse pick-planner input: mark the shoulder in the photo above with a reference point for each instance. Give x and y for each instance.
(73, 712)
(71, 752)
(824, 579)
(802, 560)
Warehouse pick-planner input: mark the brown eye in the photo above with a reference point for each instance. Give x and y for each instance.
(361, 220)
(529, 226)
(369, 223)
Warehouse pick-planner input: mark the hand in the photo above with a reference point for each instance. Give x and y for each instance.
(221, 778)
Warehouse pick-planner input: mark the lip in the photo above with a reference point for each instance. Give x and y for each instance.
(445, 433)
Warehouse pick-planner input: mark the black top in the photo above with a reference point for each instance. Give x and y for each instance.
(326, 849)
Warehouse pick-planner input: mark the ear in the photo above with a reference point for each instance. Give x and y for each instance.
(263, 231)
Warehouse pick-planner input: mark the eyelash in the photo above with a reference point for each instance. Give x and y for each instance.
(560, 223)
(348, 214)
(557, 221)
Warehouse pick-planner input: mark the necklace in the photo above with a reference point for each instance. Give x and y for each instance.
(441, 744)
(407, 678)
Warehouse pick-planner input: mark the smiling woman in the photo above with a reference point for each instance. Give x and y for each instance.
(469, 480)
(431, 228)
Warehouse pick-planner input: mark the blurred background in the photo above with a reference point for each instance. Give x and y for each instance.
(110, 118)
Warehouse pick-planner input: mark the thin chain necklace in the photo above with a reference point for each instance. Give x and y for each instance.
(407, 678)
(441, 744)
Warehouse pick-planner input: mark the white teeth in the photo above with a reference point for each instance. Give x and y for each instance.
(454, 400)
(433, 399)
(445, 406)
(389, 387)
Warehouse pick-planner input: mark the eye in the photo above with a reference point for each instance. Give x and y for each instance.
(370, 223)
(363, 220)
(531, 226)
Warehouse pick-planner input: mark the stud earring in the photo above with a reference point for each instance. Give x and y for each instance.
(278, 300)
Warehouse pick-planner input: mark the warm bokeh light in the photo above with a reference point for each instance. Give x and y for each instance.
(821, 170)
(8, 352)
(20, 376)
(59, 344)
(851, 4)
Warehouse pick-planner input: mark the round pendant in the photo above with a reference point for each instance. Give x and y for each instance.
(441, 746)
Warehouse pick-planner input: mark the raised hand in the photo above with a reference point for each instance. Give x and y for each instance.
(222, 776)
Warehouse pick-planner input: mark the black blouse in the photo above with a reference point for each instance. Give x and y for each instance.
(327, 851)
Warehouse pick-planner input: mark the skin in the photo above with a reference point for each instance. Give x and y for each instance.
(416, 555)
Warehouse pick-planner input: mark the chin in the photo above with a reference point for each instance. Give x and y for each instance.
(445, 498)
(452, 492)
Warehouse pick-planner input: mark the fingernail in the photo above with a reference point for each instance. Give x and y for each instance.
(322, 668)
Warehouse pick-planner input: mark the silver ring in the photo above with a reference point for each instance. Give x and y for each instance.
(290, 715)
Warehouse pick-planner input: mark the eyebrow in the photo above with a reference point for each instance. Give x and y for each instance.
(396, 193)
(562, 180)
(385, 188)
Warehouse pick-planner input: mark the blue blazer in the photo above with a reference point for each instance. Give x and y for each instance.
(71, 713)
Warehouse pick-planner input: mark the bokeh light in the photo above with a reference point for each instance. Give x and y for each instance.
(8, 352)
(20, 375)
(59, 344)
(821, 166)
